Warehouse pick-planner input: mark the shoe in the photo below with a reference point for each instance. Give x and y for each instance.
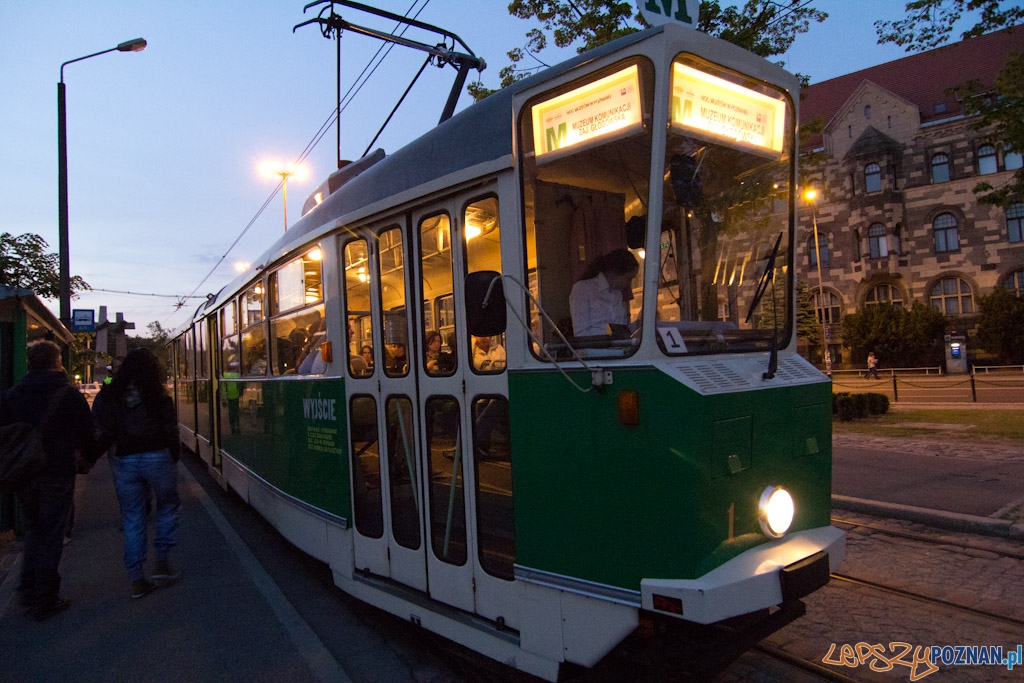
(141, 587)
(165, 573)
(50, 608)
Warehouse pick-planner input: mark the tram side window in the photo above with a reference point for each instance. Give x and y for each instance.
(483, 252)
(229, 341)
(202, 352)
(447, 521)
(367, 500)
(357, 313)
(254, 343)
(586, 168)
(403, 473)
(297, 326)
(436, 260)
(395, 332)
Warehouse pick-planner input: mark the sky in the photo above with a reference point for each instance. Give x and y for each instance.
(164, 145)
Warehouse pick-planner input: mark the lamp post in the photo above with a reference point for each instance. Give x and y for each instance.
(136, 45)
(811, 196)
(283, 171)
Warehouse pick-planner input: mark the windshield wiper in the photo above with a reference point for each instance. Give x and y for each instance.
(766, 277)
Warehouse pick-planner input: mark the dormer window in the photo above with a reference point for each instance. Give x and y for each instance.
(940, 108)
(872, 178)
(867, 111)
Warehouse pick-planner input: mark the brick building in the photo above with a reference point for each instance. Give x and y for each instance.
(897, 219)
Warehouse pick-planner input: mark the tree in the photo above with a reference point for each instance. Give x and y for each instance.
(763, 27)
(996, 107)
(1001, 326)
(900, 338)
(155, 342)
(25, 263)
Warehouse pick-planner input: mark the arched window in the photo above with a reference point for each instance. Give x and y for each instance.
(821, 252)
(947, 236)
(1012, 160)
(940, 168)
(1015, 222)
(987, 160)
(872, 178)
(829, 311)
(878, 241)
(952, 296)
(1015, 283)
(884, 294)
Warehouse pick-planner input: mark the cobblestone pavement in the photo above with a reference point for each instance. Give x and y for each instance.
(844, 614)
(942, 447)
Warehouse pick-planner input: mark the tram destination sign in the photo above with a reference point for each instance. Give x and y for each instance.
(727, 110)
(606, 109)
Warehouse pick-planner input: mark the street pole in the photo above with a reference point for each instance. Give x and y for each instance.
(811, 195)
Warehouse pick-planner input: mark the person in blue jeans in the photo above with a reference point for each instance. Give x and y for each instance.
(136, 416)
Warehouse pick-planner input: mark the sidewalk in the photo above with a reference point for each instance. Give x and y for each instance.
(222, 621)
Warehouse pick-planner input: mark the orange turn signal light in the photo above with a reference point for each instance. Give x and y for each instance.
(326, 353)
(629, 408)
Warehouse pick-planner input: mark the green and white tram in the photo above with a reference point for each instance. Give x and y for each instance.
(537, 499)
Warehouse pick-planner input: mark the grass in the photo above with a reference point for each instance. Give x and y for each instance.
(992, 425)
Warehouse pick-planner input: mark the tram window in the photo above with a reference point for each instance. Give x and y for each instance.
(203, 352)
(727, 203)
(395, 332)
(586, 192)
(295, 342)
(254, 343)
(298, 283)
(357, 302)
(447, 513)
(367, 500)
(492, 458)
(403, 473)
(483, 252)
(436, 260)
(228, 341)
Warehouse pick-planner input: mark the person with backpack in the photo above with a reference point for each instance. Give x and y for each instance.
(135, 414)
(45, 398)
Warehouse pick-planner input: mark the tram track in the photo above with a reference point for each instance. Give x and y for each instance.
(931, 539)
(807, 666)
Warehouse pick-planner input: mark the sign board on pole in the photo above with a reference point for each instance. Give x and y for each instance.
(658, 12)
(83, 320)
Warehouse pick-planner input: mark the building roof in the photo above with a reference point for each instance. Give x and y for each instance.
(921, 78)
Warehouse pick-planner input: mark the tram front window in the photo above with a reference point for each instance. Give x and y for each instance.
(723, 284)
(586, 168)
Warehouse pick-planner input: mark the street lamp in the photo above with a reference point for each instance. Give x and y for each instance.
(270, 169)
(811, 195)
(136, 45)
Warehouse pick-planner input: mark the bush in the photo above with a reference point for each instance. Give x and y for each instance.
(847, 406)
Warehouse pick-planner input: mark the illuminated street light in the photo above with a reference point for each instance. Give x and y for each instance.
(811, 196)
(270, 169)
(136, 45)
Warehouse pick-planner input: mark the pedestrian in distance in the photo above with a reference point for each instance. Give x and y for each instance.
(45, 397)
(872, 366)
(136, 416)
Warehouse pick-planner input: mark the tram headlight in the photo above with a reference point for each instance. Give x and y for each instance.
(775, 511)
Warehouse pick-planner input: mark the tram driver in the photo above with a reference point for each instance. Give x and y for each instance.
(600, 298)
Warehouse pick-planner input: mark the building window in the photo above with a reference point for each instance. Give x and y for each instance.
(947, 237)
(822, 250)
(952, 296)
(858, 249)
(940, 168)
(872, 178)
(867, 111)
(987, 160)
(878, 241)
(940, 108)
(884, 294)
(1015, 283)
(1012, 160)
(1015, 222)
(897, 238)
(829, 312)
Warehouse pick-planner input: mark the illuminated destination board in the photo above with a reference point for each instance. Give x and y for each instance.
(726, 110)
(594, 112)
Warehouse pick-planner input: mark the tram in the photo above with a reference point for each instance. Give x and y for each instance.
(396, 384)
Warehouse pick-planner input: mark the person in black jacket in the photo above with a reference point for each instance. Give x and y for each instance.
(45, 392)
(135, 415)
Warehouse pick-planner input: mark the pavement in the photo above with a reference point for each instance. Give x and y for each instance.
(224, 620)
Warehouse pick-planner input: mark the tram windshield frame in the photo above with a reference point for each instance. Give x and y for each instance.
(724, 202)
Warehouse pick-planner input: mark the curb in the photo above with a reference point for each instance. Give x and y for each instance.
(952, 521)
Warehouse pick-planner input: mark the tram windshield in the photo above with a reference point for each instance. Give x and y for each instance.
(723, 253)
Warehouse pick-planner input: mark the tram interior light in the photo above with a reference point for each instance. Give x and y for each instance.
(775, 511)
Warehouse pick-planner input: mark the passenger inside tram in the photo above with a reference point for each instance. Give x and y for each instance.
(488, 355)
(600, 298)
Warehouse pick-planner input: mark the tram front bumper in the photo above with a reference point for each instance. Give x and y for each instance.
(762, 577)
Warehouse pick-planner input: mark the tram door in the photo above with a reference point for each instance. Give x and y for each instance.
(411, 485)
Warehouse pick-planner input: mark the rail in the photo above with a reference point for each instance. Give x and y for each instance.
(988, 384)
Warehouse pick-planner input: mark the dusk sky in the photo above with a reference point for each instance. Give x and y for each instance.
(164, 145)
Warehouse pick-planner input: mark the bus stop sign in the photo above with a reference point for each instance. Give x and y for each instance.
(83, 320)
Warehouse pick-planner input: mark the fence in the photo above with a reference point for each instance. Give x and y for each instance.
(989, 384)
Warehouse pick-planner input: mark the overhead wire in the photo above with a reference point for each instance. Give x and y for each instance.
(353, 90)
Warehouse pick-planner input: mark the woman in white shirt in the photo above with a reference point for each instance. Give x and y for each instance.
(596, 302)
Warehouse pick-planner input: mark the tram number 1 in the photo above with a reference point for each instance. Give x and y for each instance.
(672, 339)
